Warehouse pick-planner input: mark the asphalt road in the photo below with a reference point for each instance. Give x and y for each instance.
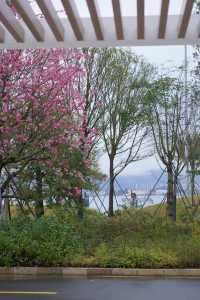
(101, 289)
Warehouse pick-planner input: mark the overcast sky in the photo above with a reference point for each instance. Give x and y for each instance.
(166, 56)
(128, 7)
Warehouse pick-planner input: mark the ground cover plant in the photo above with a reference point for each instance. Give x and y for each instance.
(130, 240)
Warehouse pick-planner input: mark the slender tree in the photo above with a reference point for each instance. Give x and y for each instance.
(164, 109)
(122, 129)
(192, 140)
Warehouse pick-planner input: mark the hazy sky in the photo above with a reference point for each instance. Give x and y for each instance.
(128, 7)
(171, 56)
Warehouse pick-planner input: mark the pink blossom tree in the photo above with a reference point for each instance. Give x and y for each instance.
(41, 110)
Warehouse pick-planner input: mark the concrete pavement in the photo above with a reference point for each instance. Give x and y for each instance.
(100, 289)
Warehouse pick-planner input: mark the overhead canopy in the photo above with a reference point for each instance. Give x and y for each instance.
(82, 23)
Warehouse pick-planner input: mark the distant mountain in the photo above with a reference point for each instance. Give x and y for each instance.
(138, 182)
(145, 182)
(142, 182)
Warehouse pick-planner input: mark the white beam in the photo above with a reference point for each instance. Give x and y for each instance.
(72, 14)
(2, 35)
(52, 18)
(25, 10)
(140, 19)
(110, 40)
(92, 6)
(11, 23)
(163, 19)
(185, 18)
(118, 19)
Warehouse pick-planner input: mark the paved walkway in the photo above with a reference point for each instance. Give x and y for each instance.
(101, 289)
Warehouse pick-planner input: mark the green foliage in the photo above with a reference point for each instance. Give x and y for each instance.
(42, 242)
(129, 240)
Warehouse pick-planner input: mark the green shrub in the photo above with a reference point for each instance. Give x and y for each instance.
(128, 240)
(37, 242)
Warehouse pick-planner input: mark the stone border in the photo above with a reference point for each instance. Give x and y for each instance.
(27, 272)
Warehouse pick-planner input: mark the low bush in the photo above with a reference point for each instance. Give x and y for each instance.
(128, 240)
(42, 242)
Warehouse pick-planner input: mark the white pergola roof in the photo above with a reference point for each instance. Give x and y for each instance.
(83, 23)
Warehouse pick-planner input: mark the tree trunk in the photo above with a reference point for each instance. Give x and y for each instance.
(1, 198)
(7, 212)
(111, 188)
(1, 203)
(174, 197)
(39, 205)
(192, 179)
(80, 206)
(171, 205)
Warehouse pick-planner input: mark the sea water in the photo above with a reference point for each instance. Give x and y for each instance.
(144, 199)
